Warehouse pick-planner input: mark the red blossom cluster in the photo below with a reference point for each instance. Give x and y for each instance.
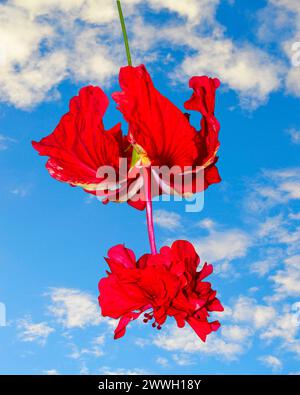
(161, 285)
(82, 152)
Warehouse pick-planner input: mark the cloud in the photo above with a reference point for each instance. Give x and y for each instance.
(194, 10)
(51, 372)
(34, 332)
(5, 142)
(275, 18)
(167, 219)
(236, 333)
(183, 360)
(272, 197)
(273, 188)
(74, 308)
(207, 224)
(287, 280)
(121, 371)
(95, 349)
(261, 268)
(294, 135)
(294, 216)
(272, 362)
(223, 246)
(285, 326)
(44, 43)
(20, 191)
(184, 340)
(247, 310)
(162, 362)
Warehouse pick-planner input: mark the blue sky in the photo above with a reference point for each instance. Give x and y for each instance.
(53, 237)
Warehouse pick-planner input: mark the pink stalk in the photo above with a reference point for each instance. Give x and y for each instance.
(147, 172)
(149, 211)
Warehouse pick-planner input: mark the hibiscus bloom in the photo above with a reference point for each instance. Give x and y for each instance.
(161, 285)
(159, 135)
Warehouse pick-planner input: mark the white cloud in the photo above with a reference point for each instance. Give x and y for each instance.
(167, 219)
(273, 188)
(287, 280)
(20, 191)
(74, 308)
(196, 11)
(95, 349)
(183, 360)
(223, 245)
(44, 42)
(121, 371)
(236, 333)
(285, 326)
(294, 216)
(184, 340)
(264, 266)
(277, 15)
(34, 332)
(162, 362)
(247, 310)
(294, 135)
(51, 372)
(5, 142)
(270, 226)
(272, 362)
(207, 223)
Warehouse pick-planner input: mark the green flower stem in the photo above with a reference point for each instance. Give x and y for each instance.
(124, 33)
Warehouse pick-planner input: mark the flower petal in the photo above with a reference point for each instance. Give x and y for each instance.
(79, 144)
(203, 328)
(185, 252)
(205, 272)
(120, 256)
(203, 100)
(215, 305)
(124, 321)
(156, 125)
(117, 299)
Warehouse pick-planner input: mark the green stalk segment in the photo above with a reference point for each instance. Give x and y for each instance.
(124, 33)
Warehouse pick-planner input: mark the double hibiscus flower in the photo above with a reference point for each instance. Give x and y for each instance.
(159, 134)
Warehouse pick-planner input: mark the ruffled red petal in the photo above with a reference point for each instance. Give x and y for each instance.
(155, 124)
(203, 100)
(124, 321)
(203, 328)
(117, 298)
(79, 144)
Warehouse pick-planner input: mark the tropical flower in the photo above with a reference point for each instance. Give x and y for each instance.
(159, 135)
(161, 285)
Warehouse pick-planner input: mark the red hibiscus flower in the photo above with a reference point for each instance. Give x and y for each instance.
(161, 285)
(159, 135)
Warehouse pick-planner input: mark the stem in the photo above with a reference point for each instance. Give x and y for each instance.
(124, 33)
(149, 212)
